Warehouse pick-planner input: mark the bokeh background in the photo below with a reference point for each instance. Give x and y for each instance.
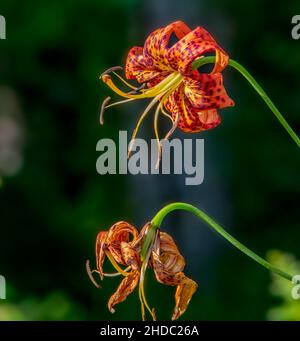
(53, 202)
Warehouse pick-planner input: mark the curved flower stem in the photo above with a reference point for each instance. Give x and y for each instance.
(257, 87)
(159, 217)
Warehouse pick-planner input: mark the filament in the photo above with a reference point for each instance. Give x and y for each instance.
(124, 81)
(141, 289)
(120, 102)
(157, 135)
(111, 69)
(115, 264)
(175, 124)
(165, 113)
(164, 93)
(90, 274)
(167, 82)
(115, 274)
(142, 117)
(142, 277)
(142, 305)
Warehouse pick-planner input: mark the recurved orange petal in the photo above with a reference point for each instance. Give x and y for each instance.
(169, 254)
(186, 287)
(125, 288)
(130, 256)
(118, 233)
(191, 119)
(156, 45)
(138, 67)
(206, 91)
(183, 295)
(168, 264)
(194, 45)
(100, 254)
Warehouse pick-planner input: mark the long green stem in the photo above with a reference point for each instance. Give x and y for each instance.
(211, 59)
(159, 217)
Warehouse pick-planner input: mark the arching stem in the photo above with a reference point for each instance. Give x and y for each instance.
(211, 59)
(159, 217)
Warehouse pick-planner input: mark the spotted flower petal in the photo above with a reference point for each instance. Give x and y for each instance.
(194, 45)
(140, 68)
(131, 258)
(206, 91)
(118, 233)
(150, 63)
(156, 45)
(196, 101)
(183, 295)
(169, 253)
(100, 254)
(125, 288)
(168, 265)
(191, 119)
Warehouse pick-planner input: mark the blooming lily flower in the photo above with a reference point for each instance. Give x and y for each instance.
(189, 98)
(122, 245)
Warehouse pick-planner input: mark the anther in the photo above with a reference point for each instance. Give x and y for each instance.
(103, 106)
(114, 68)
(90, 274)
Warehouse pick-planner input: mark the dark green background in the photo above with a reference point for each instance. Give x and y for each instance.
(53, 207)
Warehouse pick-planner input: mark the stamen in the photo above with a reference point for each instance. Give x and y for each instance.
(141, 287)
(174, 127)
(116, 68)
(165, 113)
(111, 69)
(115, 274)
(142, 276)
(90, 274)
(144, 114)
(142, 305)
(160, 108)
(164, 92)
(160, 91)
(115, 264)
(140, 88)
(103, 106)
(173, 78)
(124, 81)
(157, 135)
(120, 102)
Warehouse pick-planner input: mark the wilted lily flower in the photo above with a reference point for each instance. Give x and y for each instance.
(122, 245)
(189, 98)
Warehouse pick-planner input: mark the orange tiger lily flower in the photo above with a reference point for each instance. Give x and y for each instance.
(189, 98)
(122, 245)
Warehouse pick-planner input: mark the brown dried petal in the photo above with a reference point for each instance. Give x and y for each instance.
(125, 288)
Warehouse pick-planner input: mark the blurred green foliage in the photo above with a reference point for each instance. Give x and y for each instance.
(288, 308)
(52, 209)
